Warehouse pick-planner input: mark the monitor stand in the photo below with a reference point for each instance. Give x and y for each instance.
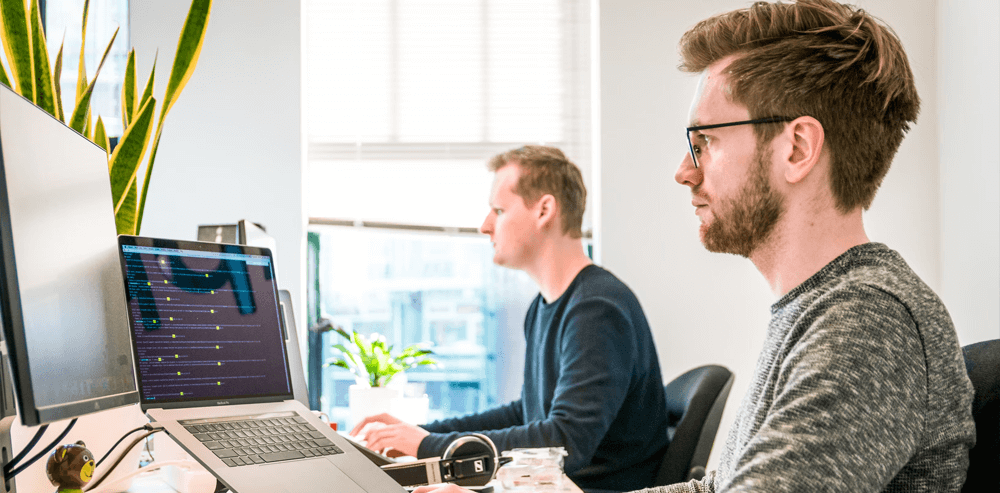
(6, 452)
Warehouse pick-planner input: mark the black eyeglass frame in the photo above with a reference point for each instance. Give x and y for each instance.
(770, 119)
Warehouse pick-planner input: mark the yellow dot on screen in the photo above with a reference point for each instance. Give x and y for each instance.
(159, 359)
(168, 298)
(220, 363)
(149, 283)
(163, 261)
(206, 275)
(213, 291)
(154, 321)
(213, 311)
(176, 356)
(173, 336)
(164, 281)
(216, 327)
(171, 319)
(218, 383)
(216, 346)
(178, 373)
(182, 393)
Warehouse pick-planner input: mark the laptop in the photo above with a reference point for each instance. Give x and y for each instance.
(213, 369)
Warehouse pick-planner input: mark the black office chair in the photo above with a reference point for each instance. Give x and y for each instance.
(695, 401)
(982, 361)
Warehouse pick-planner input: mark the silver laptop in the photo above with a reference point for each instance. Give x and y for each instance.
(213, 370)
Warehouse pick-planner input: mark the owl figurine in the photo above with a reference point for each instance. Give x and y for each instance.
(70, 467)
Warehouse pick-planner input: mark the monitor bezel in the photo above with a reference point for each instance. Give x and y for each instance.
(142, 241)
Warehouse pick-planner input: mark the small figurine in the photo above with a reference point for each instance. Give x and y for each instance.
(70, 467)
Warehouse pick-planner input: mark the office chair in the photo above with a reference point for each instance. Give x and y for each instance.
(982, 361)
(695, 401)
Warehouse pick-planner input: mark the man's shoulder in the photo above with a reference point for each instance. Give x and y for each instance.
(595, 280)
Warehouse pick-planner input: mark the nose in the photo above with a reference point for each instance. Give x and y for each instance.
(687, 174)
(487, 227)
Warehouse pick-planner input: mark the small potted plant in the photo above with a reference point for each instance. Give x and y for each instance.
(379, 373)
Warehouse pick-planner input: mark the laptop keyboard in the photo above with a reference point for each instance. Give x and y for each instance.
(245, 440)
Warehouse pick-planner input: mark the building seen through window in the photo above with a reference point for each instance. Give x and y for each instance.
(426, 287)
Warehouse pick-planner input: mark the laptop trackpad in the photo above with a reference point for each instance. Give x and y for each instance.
(313, 475)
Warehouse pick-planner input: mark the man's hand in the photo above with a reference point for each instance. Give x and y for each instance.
(384, 431)
(383, 418)
(441, 488)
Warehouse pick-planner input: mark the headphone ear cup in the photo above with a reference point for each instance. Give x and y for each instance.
(475, 444)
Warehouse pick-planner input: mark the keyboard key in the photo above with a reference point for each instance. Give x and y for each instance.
(223, 453)
(213, 445)
(279, 456)
(254, 458)
(230, 462)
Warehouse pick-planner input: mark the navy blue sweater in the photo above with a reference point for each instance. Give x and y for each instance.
(592, 384)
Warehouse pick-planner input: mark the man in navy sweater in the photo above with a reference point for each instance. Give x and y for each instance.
(592, 380)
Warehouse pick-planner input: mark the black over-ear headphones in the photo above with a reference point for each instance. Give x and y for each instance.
(470, 460)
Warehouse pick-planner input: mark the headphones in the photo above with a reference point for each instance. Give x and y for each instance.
(470, 460)
(473, 460)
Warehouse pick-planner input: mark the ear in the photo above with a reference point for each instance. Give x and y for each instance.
(803, 148)
(547, 210)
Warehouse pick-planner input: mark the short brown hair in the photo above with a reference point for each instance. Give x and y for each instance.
(833, 62)
(546, 170)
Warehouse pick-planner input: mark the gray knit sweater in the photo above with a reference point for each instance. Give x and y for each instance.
(860, 387)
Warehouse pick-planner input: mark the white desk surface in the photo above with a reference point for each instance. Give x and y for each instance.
(152, 483)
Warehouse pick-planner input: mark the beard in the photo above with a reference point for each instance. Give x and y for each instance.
(743, 223)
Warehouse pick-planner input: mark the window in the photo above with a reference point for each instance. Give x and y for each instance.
(62, 18)
(405, 100)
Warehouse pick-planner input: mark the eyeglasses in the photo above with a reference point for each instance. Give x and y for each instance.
(695, 151)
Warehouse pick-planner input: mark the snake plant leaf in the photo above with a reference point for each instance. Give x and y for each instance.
(44, 90)
(80, 119)
(56, 72)
(17, 46)
(125, 217)
(188, 50)
(128, 154)
(128, 101)
(148, 91)
(101, 137)
(81, 72)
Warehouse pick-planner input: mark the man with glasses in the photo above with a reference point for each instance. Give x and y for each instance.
(860, 386)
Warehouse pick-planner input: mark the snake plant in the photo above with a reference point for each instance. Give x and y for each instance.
(31, 76)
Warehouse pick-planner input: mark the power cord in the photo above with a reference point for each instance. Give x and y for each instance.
(27, 448)
(120, 440)
(54, 444)
(151, 430)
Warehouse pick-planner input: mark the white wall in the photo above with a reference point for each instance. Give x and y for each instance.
(710, 308)
(231, 145)
(969, 153)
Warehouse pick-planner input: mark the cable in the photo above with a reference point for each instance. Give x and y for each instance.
(121, 457)
(27, 448)
(120, 440)
(44, 451)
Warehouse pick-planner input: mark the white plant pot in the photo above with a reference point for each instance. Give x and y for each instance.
(368, 401)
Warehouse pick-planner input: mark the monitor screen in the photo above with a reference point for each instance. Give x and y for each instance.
(63, 303)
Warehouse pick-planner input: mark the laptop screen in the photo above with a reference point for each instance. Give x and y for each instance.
(204, 322)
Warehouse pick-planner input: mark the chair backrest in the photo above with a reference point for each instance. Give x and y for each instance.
(982, 361)
(695, 401)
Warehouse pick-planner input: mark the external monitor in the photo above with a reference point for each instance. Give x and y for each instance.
(61, 293)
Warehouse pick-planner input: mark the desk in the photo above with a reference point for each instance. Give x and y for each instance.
(151, 483)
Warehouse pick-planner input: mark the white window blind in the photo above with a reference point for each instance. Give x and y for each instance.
(405, 100)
